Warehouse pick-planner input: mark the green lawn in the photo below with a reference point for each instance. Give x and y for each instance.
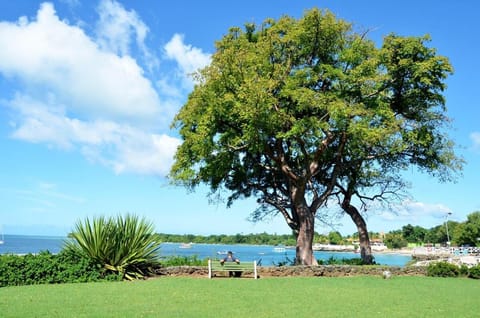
(266, 297)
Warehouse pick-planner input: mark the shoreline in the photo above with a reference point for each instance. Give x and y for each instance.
(401, 251)
(376, 249)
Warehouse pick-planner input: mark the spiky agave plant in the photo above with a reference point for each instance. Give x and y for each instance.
(126, 245)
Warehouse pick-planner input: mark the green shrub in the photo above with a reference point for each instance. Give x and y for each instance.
(443, 269)
(474, 272)
(183, 261)
(341, 261)
(47, 268)
(125, 246)
(463, 270)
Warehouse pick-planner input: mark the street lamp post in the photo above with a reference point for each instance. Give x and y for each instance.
(446, 227)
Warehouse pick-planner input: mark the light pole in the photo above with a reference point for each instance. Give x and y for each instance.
(446, 227)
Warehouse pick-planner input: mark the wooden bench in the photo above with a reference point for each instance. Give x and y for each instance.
(216, 266)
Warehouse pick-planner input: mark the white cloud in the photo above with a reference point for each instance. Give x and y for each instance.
(117, 27)
(49, 54)
(146, 153)
(78, 95)
(415, 212)
(475, 137)
(122, 147)
(189, 59)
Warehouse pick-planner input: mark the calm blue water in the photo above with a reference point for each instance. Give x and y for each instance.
(20, 244)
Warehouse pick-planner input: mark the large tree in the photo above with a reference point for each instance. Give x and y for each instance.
(295, 112)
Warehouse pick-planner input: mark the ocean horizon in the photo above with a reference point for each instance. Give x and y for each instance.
(266, 255)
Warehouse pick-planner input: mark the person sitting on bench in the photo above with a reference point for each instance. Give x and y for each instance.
(231, 258)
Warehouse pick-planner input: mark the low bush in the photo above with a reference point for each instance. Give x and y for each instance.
(48, 268)
(341, 261)
(474, 272)
(443, 269)
(330, 261)
(463, 270)
(183, 261)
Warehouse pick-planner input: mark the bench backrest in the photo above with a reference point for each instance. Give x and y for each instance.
(231, 266)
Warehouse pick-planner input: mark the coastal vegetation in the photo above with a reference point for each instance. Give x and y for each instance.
(445, 269)
(48, 268)
(460, 233)
(126, 247)
(62, 268)
(252, 239)
(465, 233)
(268, 297)
(303, 112)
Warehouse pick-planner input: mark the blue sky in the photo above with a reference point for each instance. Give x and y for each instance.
(88, 90)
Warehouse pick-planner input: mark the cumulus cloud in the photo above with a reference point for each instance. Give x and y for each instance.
(122, 147)
(188, 58)
(86, 94)
(50, 54)
(117, 28)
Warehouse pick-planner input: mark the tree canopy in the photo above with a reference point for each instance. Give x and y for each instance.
(468, 233)
(297, 111)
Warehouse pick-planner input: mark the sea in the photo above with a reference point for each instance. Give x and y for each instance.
(265, 255)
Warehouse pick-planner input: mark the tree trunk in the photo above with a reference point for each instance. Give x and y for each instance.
(365, 248)
(306, 231)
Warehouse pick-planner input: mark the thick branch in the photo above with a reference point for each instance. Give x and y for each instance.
(335, 173)
(314, 165)
(280, 160)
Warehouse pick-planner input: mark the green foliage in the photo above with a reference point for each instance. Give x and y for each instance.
(335, 238)
(126, 246)
(413, 234)
(395, 240)
(253, 239)
(342, 261)
(297, 110)
(461, 233)
(463, 270)
(468, 233)
(47, 268)
(183, 261)
(474, 272)
(330, 261)
(443, 269)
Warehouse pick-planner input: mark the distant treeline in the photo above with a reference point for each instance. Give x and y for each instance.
(448, 233)
(253, 239)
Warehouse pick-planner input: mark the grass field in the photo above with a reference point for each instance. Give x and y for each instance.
(266, 297)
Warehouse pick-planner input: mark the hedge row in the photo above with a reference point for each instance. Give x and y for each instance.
(444, 269)
(48, 268)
